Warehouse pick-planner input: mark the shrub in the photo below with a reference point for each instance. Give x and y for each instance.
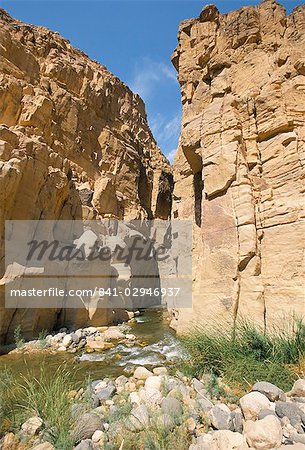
(245, 354)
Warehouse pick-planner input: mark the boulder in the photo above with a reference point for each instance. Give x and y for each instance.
(237, 420)
(271, 391)
(67, 340)
(229, 440)
(173, 408)
(139, 418)
(141, 373)
(32, 426)
(292, 411)
(251, 404)
(220, 416)
(160, 370)
(153, 382)
(298, 389)
(263, 434)
(86, 425)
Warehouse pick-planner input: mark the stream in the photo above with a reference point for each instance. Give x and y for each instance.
(158, 347)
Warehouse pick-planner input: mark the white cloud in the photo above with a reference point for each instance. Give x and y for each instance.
(149, 74)
(165, 129)
(171, 155)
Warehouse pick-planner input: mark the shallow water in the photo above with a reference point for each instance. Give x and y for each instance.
(159, 346)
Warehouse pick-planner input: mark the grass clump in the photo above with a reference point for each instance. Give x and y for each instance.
(246, 353)
(47, 396)
(10, 415)
(18, 338)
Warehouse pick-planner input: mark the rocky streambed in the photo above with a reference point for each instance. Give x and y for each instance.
(156, 410)
(101, 351)
(130, 394)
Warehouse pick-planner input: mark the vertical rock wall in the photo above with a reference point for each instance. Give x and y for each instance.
(74, 143)
(239, 170)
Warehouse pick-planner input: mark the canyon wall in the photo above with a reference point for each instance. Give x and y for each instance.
(74, 144)
(239, 169)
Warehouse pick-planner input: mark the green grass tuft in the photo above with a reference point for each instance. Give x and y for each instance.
(47, 397)
(246, 354)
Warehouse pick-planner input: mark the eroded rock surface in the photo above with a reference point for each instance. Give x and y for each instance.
(74, 144)
(239, 170)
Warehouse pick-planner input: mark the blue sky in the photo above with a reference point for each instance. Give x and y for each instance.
(134, 39)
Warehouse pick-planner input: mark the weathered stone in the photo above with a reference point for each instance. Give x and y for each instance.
(67, 340)
(263, 434)
(74, 144)
(159, 370)
(44, 446)
(32, 426)
(98, 436)
(238, 166)
(139, 418)
(251, 404)
(141, 373)
(105, 393)
(295, 415)
(220, 416)
(86, 425)
(153, 382)
(228, 440)
(265, 412)
(173, 408)
(298, 389)
(237, 420)
(271, 391)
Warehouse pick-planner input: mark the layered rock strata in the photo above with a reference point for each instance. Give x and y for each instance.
(241, 162)
(74, 144)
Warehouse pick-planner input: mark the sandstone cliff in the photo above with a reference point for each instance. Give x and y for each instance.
(241, 161)
(74, 143)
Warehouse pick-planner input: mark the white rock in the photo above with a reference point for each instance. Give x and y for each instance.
(153, 382)
(251, 404)
(67, 340)
(151, 397)
(229, 440)
(134, 398)
(100, 385)
(141, 373)
(298, 389)
(131, 337)
(61, 348)
(97, 436)
(264, 434)
(32, 426)
(160, 370)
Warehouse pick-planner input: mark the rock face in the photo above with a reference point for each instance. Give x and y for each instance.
(239, 168)
(74, 144)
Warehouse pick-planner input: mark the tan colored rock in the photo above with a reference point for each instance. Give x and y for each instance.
(239, 168)
(263, 434)
(74, 144)
(251, 404)
(141, 373)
